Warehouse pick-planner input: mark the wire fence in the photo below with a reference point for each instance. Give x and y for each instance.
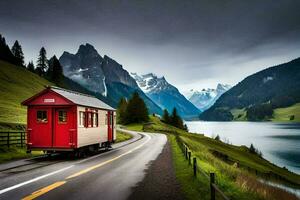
(12, 138)
(214, 189)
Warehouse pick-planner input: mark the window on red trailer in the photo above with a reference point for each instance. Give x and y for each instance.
(90, 119)
(95, 119)
(62, 116)
(42, 116)
(82, 119)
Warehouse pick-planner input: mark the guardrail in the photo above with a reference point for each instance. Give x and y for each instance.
(12, 138)
(211, 177)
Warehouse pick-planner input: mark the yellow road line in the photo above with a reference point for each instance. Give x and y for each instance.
(60, 183)
(44, 190)
(93, 167)
(108, 161)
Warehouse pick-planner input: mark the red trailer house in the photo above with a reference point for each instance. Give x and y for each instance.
(64, 120)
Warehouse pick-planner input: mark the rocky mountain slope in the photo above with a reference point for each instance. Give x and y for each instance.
(165, 95)
(102, 75)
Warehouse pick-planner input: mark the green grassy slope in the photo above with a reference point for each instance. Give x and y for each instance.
(16, 85)
(239, 114)
(279, 115)
(215, 156)
(122, 136)
(284, 114)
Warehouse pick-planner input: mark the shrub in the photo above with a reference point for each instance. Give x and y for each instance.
(255, 151)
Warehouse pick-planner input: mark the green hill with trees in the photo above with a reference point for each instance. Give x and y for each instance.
(19, 82)
(257, 97)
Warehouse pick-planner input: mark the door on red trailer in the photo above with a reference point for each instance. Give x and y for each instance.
(110, 125)
(63, 128)
(40, 127)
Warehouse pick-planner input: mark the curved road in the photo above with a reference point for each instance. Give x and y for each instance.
(109, 175)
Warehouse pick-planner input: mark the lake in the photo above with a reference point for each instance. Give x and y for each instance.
(279, 142)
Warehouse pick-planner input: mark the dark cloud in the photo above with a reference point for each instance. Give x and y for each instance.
(207, 37)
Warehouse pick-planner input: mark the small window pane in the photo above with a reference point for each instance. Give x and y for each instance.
(62, 116)
(42, 116)
(95, 119)
(89, 119)
(81, 118)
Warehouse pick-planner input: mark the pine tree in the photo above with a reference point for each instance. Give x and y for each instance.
(252, 149)
(55, 72)
(5, 53)
(18, 53)
(136, 111)
(176, 120)
(30, 66)
(166, 116)
(42, 62)
(121, 111)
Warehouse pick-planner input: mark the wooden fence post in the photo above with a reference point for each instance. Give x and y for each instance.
(212, 189)
(195, 166)
(190, 155)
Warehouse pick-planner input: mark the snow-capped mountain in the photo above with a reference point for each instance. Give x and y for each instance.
(102, 75)
(150, 83)
(165, 95)
(205, 98)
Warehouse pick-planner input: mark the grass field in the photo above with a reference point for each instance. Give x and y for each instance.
(279, 115)
(215, 156)
(284, 114)
(16, 85)
(121, 136)
(239, 114)
(135, 127)
(15, 153)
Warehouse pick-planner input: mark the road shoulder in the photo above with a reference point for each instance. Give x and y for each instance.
(160, 180)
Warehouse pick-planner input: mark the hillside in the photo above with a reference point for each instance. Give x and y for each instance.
(17, 84)
(284, 114)
(238, 171)
(257, 96)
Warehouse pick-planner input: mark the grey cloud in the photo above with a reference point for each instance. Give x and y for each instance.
(202, 39)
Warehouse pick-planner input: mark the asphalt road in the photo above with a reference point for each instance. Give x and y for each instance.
(109, 175)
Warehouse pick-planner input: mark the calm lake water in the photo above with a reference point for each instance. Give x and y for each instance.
(279, 142)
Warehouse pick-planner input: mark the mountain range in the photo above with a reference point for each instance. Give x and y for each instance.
(259, 95)
(165, 95)
(205, 98)
(271, 94)
(102, 75)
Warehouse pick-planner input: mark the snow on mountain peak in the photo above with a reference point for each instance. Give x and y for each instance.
(150, 82)
(165, 95)
(205, 98)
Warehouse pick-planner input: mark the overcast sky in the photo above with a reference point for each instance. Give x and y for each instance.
(194, 44)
